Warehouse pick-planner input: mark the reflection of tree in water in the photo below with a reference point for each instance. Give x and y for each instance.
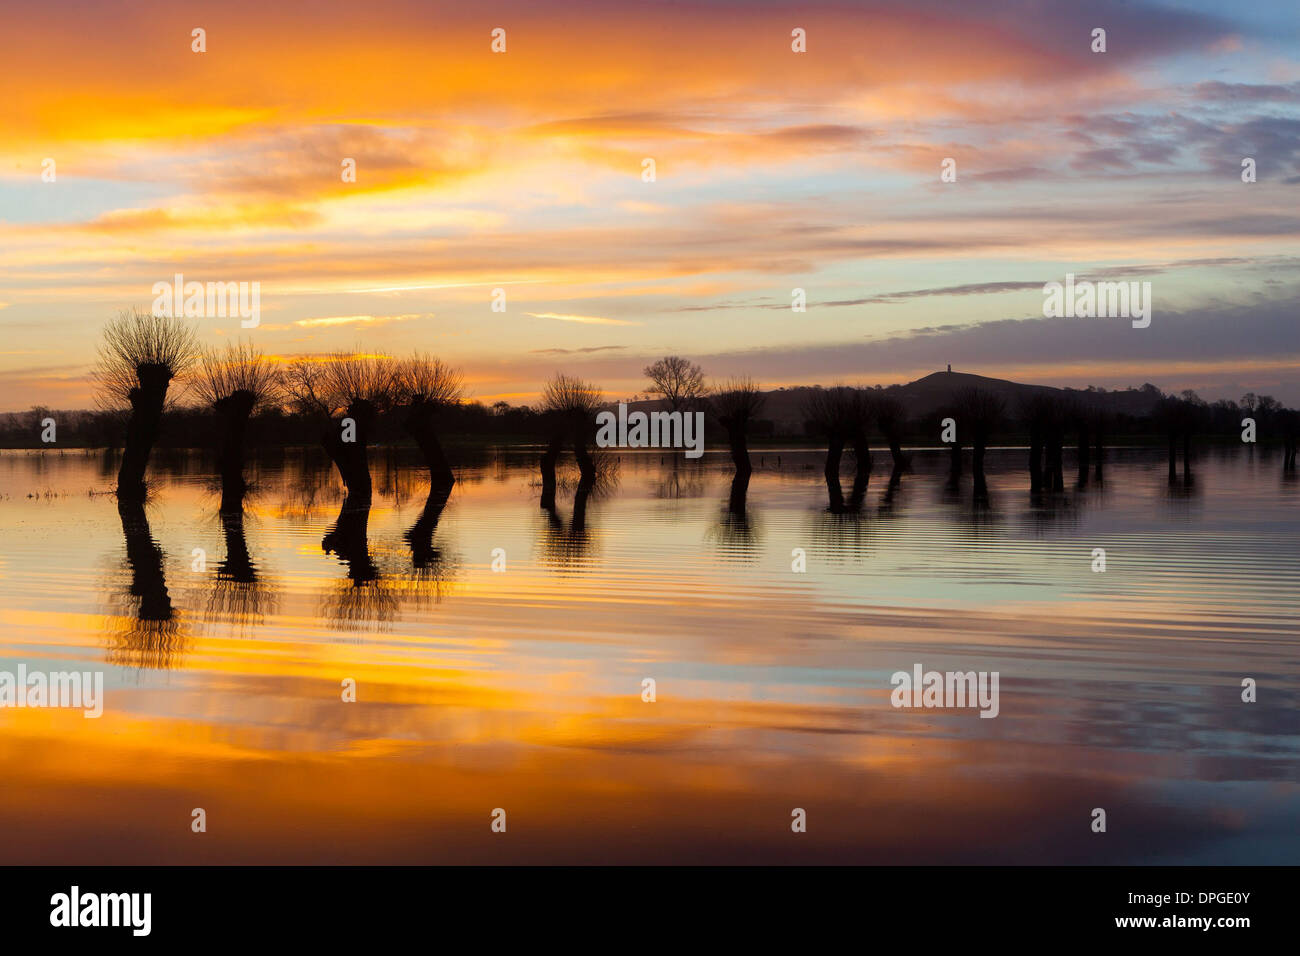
(432, 569)
(977, 512)
(307, 489)
(680, 482)
(1182, 497)
(238, 594)
(1053, 511)
(568, 547)
(375, 588)
(894, 496)
(735, 531)
(364, 598)
(145, 632)
(842, 535)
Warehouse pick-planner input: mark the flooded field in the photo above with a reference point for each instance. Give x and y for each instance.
(500, 654)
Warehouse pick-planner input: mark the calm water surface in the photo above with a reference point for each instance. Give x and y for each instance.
(522, 689)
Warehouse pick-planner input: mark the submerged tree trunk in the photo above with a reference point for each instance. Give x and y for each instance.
(418, 421)
(739, 448)
(548, 461)
(348, 449)
(1097, 455)
(739, 491)
(1035, 457)
(142, 429)
(1083, 456)
(896, 451)
(586, 467)
(1173, 457)
(834, 452)
(1187, 456)
(977, 466)
(862, 471)
(233, 412)
(1055, 460)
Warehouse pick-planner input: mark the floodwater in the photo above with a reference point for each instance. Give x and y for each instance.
(226, 646)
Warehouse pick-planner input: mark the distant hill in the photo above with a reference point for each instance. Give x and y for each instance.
(925, 396)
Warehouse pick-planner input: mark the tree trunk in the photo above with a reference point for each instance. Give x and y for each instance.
(896, 450)
(862, 472)
(232, 413)
(977, 466)
(586, 467)
(834, 452)
(739, 449)
(549, 458)
(1035, 458)
(1055, 456)
(418, 421)
(142, 429)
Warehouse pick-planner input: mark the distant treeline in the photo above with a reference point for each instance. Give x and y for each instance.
(501, 423)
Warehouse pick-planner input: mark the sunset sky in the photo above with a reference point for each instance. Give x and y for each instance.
(775, 170)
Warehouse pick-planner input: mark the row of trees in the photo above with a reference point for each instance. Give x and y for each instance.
(345, 396)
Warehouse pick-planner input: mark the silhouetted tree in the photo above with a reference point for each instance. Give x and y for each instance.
(349, 391)
(891, 418)
(140, 355)
(426, 386)
(843, 415)
(234, 383)
(679, 382)
(568, 405)
(735, 404)
(982, 411)
(1289, 422)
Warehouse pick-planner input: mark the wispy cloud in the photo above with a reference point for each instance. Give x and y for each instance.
(361, 320)
(583, 319)
(586, 351)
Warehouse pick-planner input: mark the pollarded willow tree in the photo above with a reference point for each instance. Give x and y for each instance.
(348, 391)
(424, 386)
(234, 383)
(735, 404)
(843, 415)
(139, 357)
(569, 406)
(983, 411)
(891, 419)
